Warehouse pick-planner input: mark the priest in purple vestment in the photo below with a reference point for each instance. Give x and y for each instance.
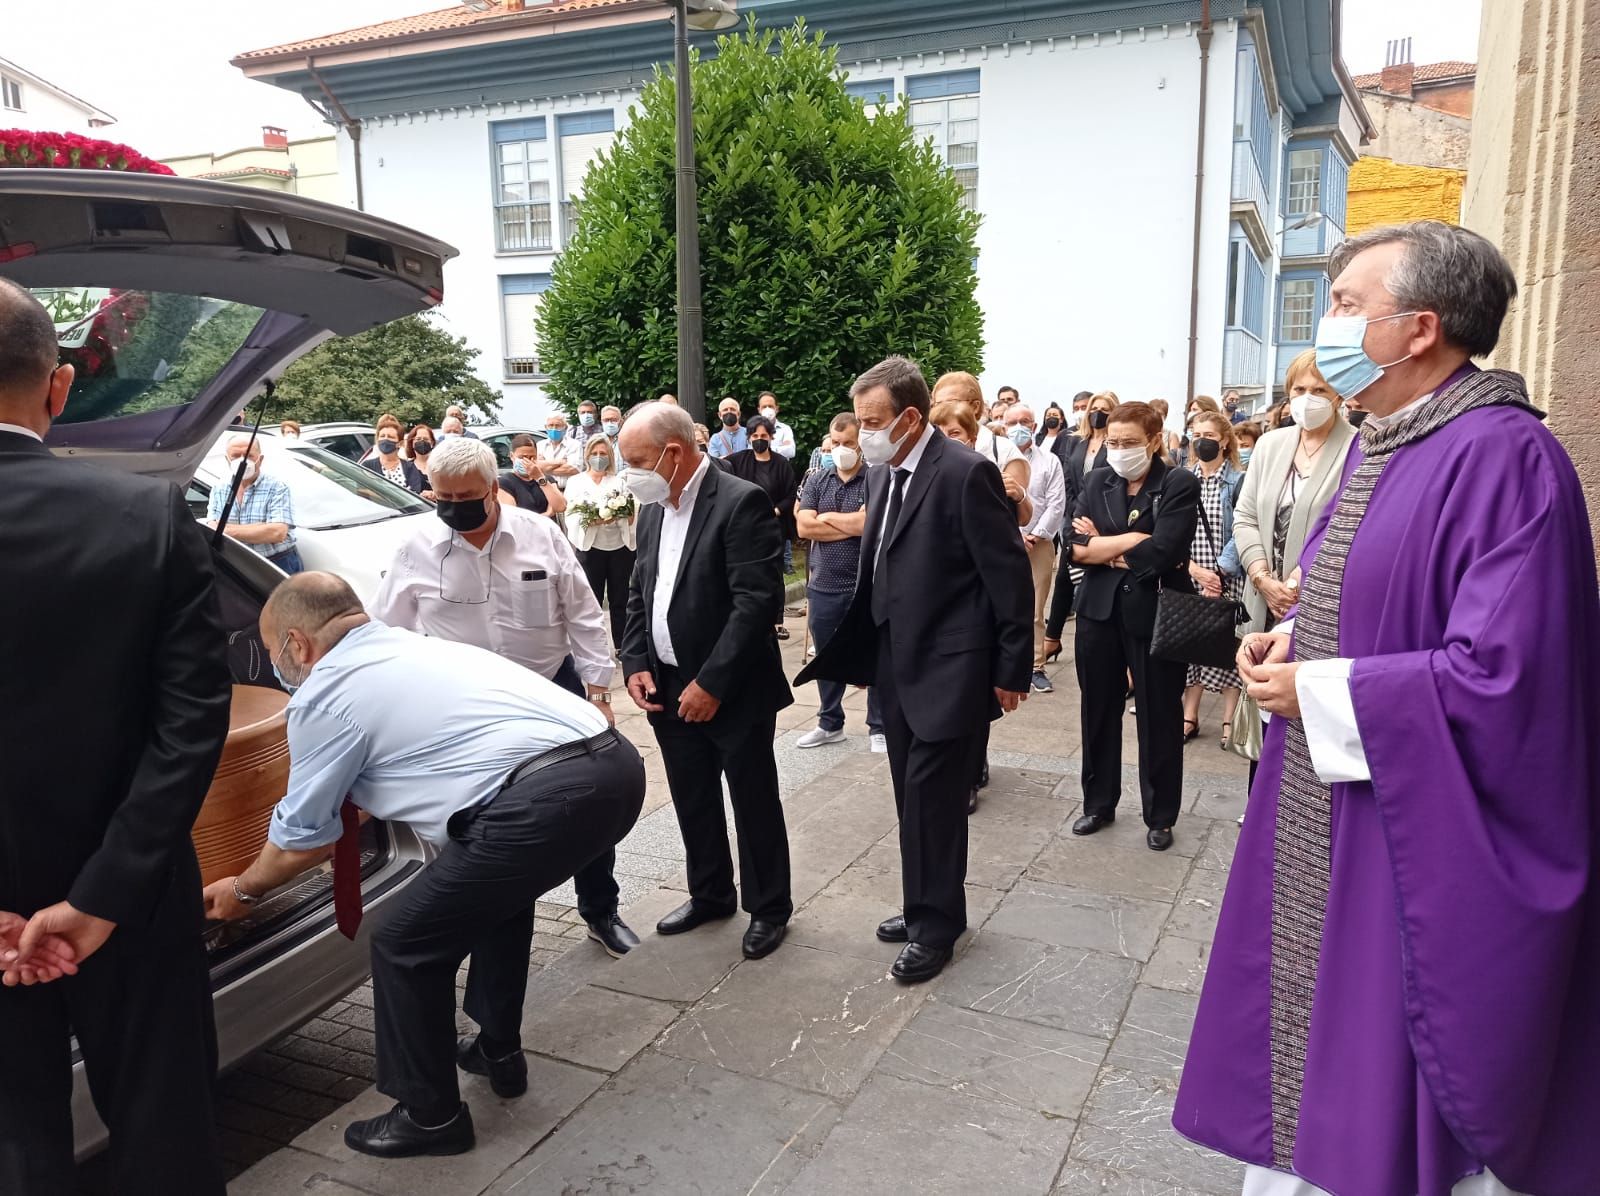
(1403, 997)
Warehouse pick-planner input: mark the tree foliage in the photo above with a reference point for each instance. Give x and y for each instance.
(829, 239)
(410, 367)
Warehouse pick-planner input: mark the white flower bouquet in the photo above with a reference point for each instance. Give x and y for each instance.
(613, 505)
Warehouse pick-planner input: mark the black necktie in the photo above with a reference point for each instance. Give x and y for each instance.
(880, 575)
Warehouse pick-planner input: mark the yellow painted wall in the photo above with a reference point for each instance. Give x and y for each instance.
(1384, 192)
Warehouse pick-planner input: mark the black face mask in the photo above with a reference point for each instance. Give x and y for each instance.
(761, 446)
(729, 419)
(1052, 422)
(1357, 418)
(1207, 450)
(422, 447)
(387, 446)
(467, 516)
(1099, 419)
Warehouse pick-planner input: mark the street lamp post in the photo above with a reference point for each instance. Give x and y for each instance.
(701, 14)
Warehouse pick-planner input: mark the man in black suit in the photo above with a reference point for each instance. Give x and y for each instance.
(942, 624)
(701, 657)
(115, 696)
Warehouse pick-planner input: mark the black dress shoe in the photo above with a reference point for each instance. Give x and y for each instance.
(507, 1076)
(1089, 823)
(762, 938)
(983, 777)
(972, 803)
(690, 914)
(1158, 838)
(893, 930)
(393, 1135)
(918, 963)
(612, 933)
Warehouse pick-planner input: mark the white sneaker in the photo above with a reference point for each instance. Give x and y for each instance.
(816, 737)
(880, 745)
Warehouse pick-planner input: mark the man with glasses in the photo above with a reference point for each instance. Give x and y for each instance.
(508, 580)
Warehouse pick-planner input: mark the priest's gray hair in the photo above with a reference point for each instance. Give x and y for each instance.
(663, 423)
(458, 457)
(1454, 272)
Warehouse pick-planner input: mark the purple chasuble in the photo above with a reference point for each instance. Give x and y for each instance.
(1455, 1024)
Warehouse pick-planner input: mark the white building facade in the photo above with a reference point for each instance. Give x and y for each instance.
(29, 101)
(1076, 134)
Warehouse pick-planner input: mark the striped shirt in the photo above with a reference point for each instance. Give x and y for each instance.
(267, 500)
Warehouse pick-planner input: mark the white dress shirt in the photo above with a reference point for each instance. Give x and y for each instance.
(998, 449)
(1259, 1181)
(523, 597)
(413, 729)
(669, 555)
(782, 439)
(1047, 490)
(21, 431)
(913, 459)
(566, 451)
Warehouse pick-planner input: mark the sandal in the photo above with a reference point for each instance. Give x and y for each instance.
(1227, 737)
(1051, 654)
(1191, 729)
(783, 633)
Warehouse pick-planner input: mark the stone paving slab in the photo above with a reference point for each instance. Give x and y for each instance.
(902, 1137)
(667, 1125)
(596, 1028)
(1066, 988)
(1126, 926)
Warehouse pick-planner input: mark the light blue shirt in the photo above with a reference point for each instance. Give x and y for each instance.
(413, 729)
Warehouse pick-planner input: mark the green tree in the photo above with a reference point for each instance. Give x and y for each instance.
(829, 239)
(410, 367)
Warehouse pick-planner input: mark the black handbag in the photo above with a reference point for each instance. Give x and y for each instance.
(1195, 629)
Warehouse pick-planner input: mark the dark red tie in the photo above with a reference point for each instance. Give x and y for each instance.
(347, 872)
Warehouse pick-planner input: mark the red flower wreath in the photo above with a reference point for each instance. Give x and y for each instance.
(22, 147)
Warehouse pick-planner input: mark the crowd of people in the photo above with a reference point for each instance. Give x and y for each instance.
(1406, 958)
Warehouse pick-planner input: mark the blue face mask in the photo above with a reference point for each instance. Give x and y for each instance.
(1021, 436)
(587, 419)
(555, 434)
(1341, 356)
(1244, 456)
(276, 672)
(825, 462)
(611, 427)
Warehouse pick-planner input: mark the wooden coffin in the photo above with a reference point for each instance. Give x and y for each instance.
(252, 776)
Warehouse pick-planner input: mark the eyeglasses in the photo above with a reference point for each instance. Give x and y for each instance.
(469, 598)
(1126, 444)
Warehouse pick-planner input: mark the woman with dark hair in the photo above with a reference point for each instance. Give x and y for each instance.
(387, 460)
(1132, 529)
(1083, 451)
(419, 443)
(773, 473)
(1212, 568)
(526, 484)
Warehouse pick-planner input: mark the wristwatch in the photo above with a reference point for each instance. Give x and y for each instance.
(241, 896)
(545, 480)
(603, 698)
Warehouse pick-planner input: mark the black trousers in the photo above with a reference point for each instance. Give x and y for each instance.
(141, 1009)
(1061, 599)
(595, 882)
(477, 899)
(932, 780)
(736, 744)
(608, 571)
(1106, 652)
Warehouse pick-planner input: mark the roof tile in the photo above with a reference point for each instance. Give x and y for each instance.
(441, 20)
(1432, 72)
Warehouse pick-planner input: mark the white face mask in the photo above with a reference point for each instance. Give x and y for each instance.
(1311, 411)
(1130, 464)
(770, 412)
(845, 459)
(646, 485)
(250, 471)
(876, 446)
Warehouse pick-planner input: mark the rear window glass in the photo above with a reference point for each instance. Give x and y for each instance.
(138, 351)
(326, 491)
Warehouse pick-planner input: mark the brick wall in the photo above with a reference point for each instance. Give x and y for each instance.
(1384, 192)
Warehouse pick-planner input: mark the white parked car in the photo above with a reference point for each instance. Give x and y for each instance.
(498, 437)
(180, 301)
(348, 439)
(347, 519)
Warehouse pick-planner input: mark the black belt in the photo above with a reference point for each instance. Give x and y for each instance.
(560, 755)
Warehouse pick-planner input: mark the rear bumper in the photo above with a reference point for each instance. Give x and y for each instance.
(263, 989)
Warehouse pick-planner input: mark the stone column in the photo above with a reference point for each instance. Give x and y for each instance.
(1533, 188)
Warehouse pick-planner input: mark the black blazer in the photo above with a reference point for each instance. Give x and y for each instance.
(1166, 508)
(727, 599)
(115, 692)
(415, 482)
(961, 593)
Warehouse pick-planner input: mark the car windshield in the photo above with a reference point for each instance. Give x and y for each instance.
(327, 491)
(138, 351)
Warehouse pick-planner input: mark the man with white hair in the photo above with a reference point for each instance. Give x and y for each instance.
(560, 455)
(701, 657)
(262, 514)
(515, 781)
(508, 581)
(451, 425)
(1047, 491)
(455, 412)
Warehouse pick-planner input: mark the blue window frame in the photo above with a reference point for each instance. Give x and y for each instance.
(1302, 298)
(521, 185)
(520, 296)
(582, 136)
(938, 87)
(872, 92)
(1252, 121)
(944, 112)
(1247, 288)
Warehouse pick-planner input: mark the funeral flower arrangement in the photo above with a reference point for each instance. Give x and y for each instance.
(613, 504)
(23, 147)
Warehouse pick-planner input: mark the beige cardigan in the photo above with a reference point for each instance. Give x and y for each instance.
(1258, 503)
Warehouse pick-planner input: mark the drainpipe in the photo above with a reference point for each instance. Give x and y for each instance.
(1204, 38)
(353, 127)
